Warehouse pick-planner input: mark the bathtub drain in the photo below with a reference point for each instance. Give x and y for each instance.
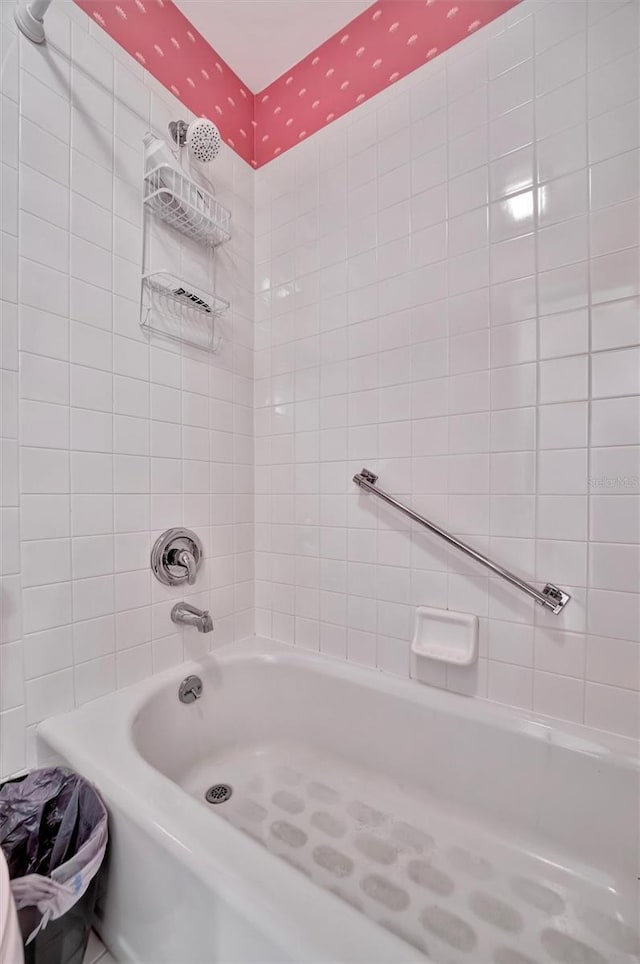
(218, 793)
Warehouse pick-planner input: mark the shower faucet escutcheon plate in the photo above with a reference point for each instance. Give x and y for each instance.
(176, 557)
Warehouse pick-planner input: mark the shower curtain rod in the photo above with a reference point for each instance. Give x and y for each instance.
(551, 597)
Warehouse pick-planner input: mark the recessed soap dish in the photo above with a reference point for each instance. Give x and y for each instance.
(446, 636)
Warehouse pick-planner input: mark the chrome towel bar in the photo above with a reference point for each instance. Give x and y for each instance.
(551, 597)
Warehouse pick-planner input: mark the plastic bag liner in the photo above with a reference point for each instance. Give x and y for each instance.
(53, 832)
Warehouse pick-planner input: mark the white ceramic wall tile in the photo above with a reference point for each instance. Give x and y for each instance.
(529, 195)
(558, 696)
(450, 296)
(78, 414)
(616, 373)
(615, 421)
(614, 662)
(612, 708)
(47, 652)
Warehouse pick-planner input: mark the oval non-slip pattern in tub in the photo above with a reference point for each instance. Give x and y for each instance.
(452, 888)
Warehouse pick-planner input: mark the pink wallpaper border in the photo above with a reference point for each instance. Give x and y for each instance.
(385, 42)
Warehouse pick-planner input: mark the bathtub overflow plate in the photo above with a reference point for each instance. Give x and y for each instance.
(190, 689)
(218, 793)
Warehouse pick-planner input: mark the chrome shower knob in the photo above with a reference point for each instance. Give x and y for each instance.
(176, 557)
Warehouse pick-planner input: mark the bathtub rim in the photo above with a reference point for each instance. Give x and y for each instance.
(578, 737)
(162, 809)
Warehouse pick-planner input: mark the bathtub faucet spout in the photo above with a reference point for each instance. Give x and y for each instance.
(186, 615)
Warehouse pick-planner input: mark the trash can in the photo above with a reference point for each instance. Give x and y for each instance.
(53, 833)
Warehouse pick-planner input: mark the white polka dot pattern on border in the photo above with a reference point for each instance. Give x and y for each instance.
(396, 37)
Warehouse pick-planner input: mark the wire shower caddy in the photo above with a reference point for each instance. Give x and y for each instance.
(186, 206)
(171, 306)
(180, 311)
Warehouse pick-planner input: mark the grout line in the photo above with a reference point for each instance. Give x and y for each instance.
(536, 230)
(258, 494)
(589, 384)
(19, 41)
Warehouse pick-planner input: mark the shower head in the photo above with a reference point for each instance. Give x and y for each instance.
(203, 140)
(201, 136)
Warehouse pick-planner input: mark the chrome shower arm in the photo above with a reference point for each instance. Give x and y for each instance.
(29, 17)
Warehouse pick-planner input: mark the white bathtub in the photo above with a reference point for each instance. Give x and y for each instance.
(359, 800)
